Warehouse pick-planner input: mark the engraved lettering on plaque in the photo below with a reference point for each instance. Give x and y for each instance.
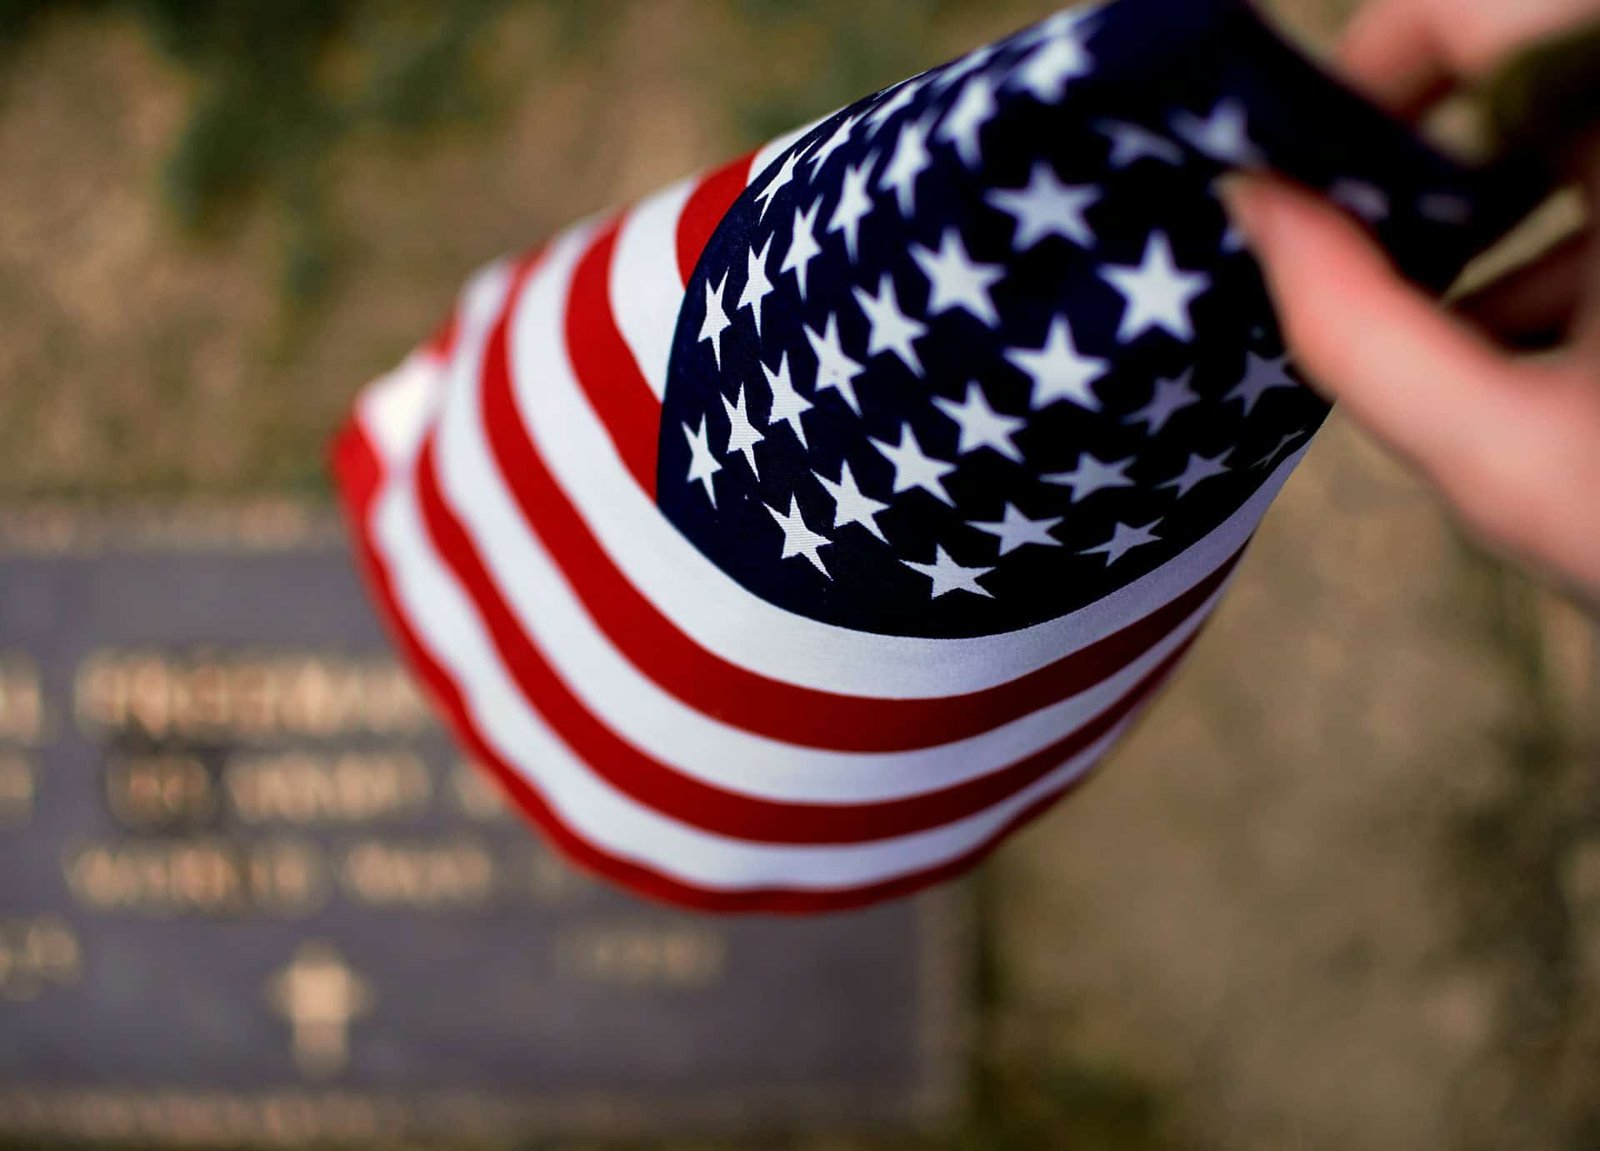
(246, 698)
(36, 954)
(425, 876)
(198, 877)
(158, 791)
(643, 955)
(16, 789)
(320, 995)
(306, 787)
(21, 700)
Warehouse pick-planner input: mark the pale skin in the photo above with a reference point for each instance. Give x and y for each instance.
(1511, 440)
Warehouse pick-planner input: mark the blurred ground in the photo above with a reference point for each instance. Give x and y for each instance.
(1342, 890)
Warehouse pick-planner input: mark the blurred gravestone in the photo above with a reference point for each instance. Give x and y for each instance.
(248, 895)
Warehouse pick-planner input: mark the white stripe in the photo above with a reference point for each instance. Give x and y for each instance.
(644, 285)
(722, 616)
(395, 409)
(447, 627)
(697, 745)
(645, 289)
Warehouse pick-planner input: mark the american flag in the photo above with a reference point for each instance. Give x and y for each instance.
(784, 542)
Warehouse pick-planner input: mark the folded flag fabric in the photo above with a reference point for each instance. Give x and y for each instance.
(785, 541)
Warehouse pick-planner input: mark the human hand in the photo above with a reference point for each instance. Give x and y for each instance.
(1512, 442)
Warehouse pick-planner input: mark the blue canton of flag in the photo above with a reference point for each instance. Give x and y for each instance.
(976, 352)
(787, 540)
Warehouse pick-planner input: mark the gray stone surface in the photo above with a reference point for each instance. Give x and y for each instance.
(453, 977)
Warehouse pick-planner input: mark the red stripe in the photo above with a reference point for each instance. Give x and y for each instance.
(705, 208)
(711, 685)
(606, 367)
(443, 341)
(664, 788)
(603, 362)
(359, 472)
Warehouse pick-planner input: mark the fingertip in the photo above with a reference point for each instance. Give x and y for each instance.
(1392, 53)
(1311, 257)
(1366, 336)
(1299, 235)
(1255, 203)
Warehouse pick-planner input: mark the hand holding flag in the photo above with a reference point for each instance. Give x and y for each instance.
(1512, 442)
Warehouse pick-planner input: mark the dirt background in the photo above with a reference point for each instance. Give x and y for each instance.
(1342, 890)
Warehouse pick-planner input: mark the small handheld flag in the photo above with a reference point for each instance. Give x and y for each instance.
(784, 542)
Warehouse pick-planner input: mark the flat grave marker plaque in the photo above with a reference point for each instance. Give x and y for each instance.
(250, 895)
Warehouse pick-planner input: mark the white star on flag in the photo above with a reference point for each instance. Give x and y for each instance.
(1224, 136)
(1052, 66)
(1092, 475)
(756, 286)
(1015, 530)
(908, 161)
(900, 96)
(835, 370)
(963, 124)
(949, 576)
(788, 405)
(981, 426)
(855, 205)
(716, 321)
(703, 465)
(742, 435)
(1058, 370)
(839, 138)
(1200, 468)
(1261, 375)
(1131, 143)
(914, 468)
(799, 540)
(1047, 207)
(1171, 397)
(956, 281)
(850, 505)
(1158, 293)
(779, 180)
(1124, 538)
(803, 246)
(891, 329)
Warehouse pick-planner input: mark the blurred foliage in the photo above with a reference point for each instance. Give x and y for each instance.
(273, 112)
(278, 85)
(867, 46)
